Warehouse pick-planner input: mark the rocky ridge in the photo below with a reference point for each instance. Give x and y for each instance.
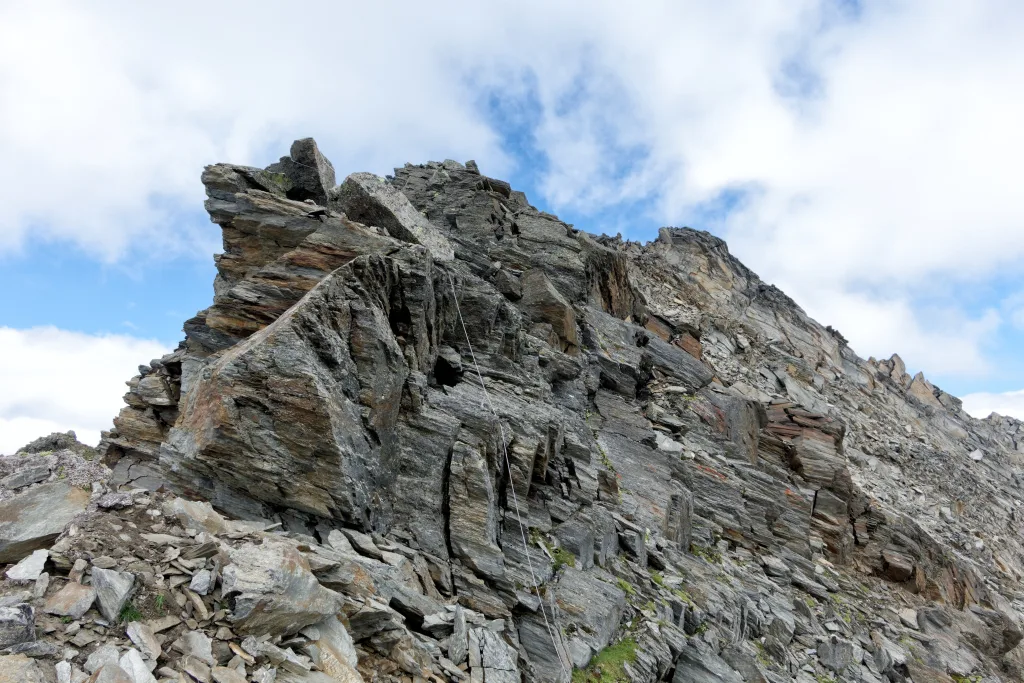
(325, 481)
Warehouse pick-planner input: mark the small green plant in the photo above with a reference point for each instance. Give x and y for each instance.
(710, 554)
(160, 603)
(657, 578)
(763, 656)
(129, 613)
(626, 587)
(66, 620)
(562, 558)
(605, 460)
(702, 629)
(608, 665)
(684, 596)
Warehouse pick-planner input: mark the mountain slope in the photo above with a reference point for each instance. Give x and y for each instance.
(710, 483)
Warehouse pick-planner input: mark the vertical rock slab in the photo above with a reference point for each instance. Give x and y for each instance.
(473, 517)
(310, 174)
(33, 519)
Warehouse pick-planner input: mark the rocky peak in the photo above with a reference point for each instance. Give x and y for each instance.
(441, 434)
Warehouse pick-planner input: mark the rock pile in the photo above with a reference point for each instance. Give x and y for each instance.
(428, 432)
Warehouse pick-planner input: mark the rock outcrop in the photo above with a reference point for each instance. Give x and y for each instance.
(426, 431)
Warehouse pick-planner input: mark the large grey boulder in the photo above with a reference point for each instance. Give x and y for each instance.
(34, 518)
(273, 590)
(370, 199)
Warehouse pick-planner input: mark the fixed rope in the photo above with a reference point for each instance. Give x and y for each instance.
(555, 641)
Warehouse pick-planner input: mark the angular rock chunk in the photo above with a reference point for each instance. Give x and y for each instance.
(370, 199)
(111, 673)
(546, 304)
(142, 635)
(17, 625)
(33, 519)
(273, 590)
(473, 521)
(30, 568)
(694, 666)
(310, 175)
(333, 651)
(21, 669)
(73, 600)
(113, 588)
(133, 664)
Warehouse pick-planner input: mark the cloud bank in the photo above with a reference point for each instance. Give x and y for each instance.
(861, 155)
(55, 380)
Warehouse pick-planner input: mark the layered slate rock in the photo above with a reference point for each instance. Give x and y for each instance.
(608, 454)
(33, 519)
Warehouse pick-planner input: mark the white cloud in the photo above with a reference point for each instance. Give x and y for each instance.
(56, 380)
(981, 405)
(879, 151)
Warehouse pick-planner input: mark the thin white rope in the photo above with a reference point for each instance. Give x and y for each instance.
(556, 642)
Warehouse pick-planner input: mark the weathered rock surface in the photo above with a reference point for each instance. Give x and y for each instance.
(427, 432)
(33, 519)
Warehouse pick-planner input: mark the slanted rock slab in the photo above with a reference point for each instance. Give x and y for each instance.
(34, 518)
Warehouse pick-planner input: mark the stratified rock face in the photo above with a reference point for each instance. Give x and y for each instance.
(706, 484)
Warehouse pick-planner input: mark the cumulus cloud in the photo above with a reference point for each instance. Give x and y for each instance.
(860, 155)
(56, 380)
(981, 405)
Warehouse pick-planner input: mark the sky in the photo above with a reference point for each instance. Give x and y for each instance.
(863, 156)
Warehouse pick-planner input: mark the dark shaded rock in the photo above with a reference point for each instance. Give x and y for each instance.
(309, 174)
(17, 625)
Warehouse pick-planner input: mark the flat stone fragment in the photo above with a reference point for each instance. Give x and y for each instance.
(222, 674)
(142, 635)
(100, 657)
(29, 568)
(21, 669)
(133, 664)
(34, 518)
(111, 673)
(73, 600)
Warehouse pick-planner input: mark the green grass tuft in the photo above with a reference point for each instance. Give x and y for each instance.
(129, 613)
(608, 665)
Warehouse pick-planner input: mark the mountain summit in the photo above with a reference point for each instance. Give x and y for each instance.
(447, 436)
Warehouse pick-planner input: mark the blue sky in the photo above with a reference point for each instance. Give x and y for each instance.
(862, 156)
